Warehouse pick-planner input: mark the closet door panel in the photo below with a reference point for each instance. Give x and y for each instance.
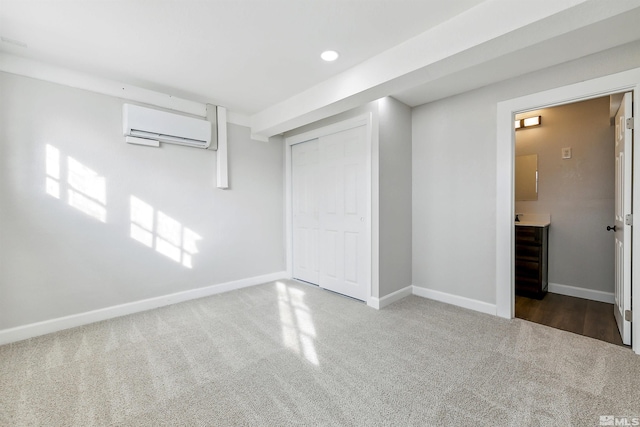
(330, 218)
(305, 199)
(343, 216)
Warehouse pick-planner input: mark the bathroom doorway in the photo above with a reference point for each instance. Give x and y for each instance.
(571, 193)
(625, 81)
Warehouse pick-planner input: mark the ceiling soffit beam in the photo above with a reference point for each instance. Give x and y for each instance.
(41, 71)
(560, 50)
(486, 32)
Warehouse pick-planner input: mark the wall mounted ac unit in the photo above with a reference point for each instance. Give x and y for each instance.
(146, 126)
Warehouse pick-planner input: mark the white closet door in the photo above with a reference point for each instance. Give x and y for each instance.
(344, 254)
(305, 195)
(622, 230)
(331, 238)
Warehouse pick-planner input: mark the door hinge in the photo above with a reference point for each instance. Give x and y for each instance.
(627, 315)
(630, 123)
(628, 219)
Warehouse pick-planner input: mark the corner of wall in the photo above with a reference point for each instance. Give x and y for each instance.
(395, 206)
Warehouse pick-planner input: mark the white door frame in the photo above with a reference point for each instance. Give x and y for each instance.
(371, 200)
(627, 81)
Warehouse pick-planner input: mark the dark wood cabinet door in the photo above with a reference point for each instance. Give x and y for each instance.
(531, 261)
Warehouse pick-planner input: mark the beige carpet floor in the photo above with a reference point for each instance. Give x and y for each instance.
(286, 353)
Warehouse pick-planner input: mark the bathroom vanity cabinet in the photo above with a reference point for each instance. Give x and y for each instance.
(532, 256)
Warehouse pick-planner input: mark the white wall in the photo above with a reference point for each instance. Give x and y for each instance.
(577, 192)
(61, 254)
(454, 175)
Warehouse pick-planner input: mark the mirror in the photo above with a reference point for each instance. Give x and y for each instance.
(526, 177)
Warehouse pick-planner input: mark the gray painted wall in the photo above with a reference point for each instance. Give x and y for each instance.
(58, 259)
(577, 192)
(454, 175)
(395, 195)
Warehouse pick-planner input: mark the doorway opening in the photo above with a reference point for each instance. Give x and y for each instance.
(565, 182)
(626, 81)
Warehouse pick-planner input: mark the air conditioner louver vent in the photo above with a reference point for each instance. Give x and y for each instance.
(154, 125)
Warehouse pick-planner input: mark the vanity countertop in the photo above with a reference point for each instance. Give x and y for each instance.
(532, 223)
(533, 220)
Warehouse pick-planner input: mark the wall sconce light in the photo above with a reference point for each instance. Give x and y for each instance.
(528, 122)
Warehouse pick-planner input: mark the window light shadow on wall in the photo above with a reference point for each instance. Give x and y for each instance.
(159, 231)
(85, 190)
(298, 331)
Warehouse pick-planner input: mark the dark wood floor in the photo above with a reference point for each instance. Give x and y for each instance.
(581, 316)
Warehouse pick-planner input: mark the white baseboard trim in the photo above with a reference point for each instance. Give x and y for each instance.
(379, 303)
(573, 291)
(463, 302)
(20, 333)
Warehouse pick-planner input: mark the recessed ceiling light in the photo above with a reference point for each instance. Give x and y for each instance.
(329, 55)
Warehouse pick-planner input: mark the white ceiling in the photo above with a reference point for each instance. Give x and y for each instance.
(260, 58)
(244, 54)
